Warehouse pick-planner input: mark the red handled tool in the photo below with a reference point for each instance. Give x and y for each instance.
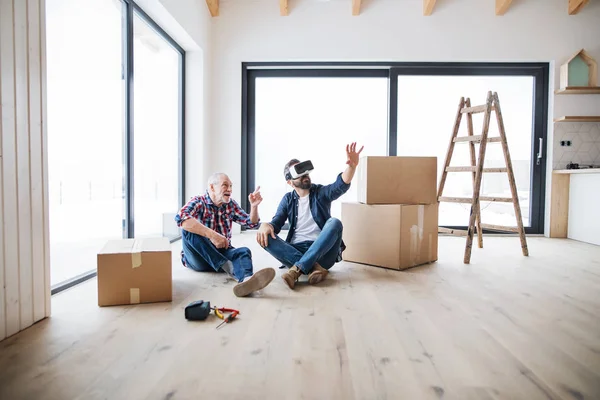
(219, 313)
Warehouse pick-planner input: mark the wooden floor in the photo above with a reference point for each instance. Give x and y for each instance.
(504, 327)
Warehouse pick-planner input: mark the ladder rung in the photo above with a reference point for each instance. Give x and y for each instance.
(476, 109)
(474, 169)
(500, 228)
(456, 232)
(476, 138)
(470, 199)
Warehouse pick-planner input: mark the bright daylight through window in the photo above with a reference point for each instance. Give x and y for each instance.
(314, 118)
(87, 130)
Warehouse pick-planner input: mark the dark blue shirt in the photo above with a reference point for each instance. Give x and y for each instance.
(320, 199)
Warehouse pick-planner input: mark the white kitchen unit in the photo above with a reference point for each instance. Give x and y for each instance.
(584, 208)
(576, 205)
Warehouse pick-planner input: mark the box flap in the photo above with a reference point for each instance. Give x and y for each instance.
(121, 246)
(155, 244)
(117, 246)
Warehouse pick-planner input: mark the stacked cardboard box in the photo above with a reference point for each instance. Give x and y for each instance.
(394, 224)
(132, 271)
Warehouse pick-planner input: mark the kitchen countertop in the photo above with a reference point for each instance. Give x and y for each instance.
(578, 171)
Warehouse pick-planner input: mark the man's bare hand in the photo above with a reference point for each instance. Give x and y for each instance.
(255, 198)
(219, 241)
(352, 156)
(265, 230)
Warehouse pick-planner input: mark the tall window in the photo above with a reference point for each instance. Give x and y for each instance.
(156, 131)
(113, 145)
(314, 117)
(425, 131)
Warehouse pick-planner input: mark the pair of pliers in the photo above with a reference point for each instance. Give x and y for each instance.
(219, 313)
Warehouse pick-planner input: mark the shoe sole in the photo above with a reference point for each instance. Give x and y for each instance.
(258, 281)
(316, 277)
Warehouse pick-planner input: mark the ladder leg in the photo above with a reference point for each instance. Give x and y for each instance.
(511, 176)
(451, 147)
(474, 164)
(479, 173)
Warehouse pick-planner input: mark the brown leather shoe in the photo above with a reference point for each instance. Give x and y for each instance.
(317, 275)
(291, 276)
(258, 281)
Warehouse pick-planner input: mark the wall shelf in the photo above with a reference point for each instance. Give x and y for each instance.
(579, 90)
(589, 118)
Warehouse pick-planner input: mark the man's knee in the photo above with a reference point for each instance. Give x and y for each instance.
(334, 224)
(243, 252)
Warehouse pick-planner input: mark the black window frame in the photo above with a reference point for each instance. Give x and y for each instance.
(128, 9)
(539, 71)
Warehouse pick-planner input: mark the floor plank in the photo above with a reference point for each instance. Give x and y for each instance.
(503, 327)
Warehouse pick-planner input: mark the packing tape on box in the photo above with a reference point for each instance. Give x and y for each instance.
(416, 235)
(134, 296)
(136, 253)
(430, 247)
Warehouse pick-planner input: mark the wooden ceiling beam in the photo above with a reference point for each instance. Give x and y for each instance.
(502, 6)
(428, 6)
(576, 5)
(356, 7)
(284, 9)
(213, 7)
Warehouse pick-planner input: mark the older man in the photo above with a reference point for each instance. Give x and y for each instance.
(206, 223)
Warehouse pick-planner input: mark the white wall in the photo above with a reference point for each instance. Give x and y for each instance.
(188, 22)
(24, 243)
(389, 30)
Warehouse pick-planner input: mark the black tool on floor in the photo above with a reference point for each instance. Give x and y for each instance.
(197, 310)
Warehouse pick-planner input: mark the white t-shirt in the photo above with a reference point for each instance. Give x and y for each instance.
(306, 227)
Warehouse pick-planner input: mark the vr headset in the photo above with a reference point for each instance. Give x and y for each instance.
(298, 170)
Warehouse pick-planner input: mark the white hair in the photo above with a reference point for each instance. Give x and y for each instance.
(215, 178)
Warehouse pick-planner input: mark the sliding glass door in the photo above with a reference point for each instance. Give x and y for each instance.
(85, 136)
(306, 110)
(427, 108)
(115, 131)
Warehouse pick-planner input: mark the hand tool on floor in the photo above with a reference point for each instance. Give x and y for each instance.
(197, 310)
(219, 313)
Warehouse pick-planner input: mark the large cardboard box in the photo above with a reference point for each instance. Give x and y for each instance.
(396, 236)
(132, 271)
(397, 180)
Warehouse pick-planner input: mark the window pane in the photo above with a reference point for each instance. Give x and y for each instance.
(156, 132)
(85, 131)
(427, 108)
(314, 118)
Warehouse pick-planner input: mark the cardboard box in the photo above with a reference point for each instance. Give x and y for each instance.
(132, 271)
(397, 180)
(396, 236)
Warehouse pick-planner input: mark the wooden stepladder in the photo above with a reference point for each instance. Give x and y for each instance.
(477, 170)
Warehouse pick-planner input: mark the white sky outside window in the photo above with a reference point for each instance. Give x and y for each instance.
(85, 131)
(427, 107)
(314, 118)
(156, 130)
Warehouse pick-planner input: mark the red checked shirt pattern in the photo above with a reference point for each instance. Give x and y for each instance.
(219, 219)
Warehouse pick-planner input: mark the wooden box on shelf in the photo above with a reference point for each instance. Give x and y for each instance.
(579, 75)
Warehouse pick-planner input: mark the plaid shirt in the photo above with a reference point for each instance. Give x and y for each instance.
(218, 219)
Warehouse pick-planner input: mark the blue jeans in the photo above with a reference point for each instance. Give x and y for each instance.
(201, 255)
(304, 255)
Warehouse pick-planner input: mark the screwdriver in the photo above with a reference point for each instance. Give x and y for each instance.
(229, 318)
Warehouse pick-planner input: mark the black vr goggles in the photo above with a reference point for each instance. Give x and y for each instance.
(298, 170)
